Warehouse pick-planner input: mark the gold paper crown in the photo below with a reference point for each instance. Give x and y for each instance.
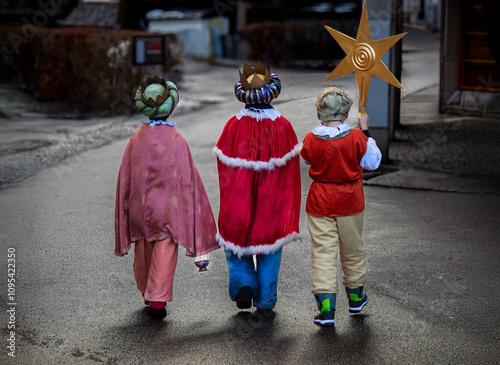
(255, 77)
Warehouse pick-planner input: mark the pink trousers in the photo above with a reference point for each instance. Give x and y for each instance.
(154, 269)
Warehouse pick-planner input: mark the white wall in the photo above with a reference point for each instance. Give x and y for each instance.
(194, 34)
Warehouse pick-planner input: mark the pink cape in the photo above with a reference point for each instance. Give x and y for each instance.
(159, 193)
(259, 180)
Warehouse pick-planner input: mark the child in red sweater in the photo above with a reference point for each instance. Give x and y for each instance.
(337, 155)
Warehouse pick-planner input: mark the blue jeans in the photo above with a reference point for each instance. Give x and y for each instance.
(263, 280)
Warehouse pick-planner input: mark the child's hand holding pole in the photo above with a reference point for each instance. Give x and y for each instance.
(363, 121)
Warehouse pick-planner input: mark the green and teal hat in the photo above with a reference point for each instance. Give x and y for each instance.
(156, 98)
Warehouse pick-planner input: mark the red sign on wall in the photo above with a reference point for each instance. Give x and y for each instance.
(148, 50)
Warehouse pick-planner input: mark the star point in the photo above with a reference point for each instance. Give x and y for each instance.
(363, 56)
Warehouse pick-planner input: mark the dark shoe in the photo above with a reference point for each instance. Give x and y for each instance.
(326, 305)
(157, 310)
(326, 318)
(357, 299)
(244, 298)
(157, 313)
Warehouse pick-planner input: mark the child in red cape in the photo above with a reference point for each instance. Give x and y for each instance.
(259, 179)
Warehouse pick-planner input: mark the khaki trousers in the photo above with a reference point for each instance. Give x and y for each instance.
(154, 269)
(330, 236)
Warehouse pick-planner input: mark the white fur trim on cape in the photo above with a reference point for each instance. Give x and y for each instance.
(259, 114)
(331, 132)
(257, 165)
(256, 250)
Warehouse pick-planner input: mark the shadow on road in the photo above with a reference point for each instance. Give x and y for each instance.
(245, 336)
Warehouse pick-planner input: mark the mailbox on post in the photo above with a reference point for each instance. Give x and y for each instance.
(148, 50)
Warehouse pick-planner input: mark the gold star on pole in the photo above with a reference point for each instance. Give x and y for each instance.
(363, 56)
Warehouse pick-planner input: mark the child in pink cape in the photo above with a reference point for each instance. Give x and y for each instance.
(161, 202)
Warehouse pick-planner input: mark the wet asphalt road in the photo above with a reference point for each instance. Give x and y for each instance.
(433, 260)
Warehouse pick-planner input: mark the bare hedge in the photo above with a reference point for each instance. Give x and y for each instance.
(295, 44)
(91, 67)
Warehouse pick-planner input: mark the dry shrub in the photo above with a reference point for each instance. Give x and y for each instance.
(295, 44)
(91, 67)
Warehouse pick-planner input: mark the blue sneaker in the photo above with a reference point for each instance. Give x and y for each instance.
(357, 299)
(326, 305)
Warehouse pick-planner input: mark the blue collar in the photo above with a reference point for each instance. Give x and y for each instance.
(157, 122)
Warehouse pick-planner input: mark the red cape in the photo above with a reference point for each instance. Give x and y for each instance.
(259, 180)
